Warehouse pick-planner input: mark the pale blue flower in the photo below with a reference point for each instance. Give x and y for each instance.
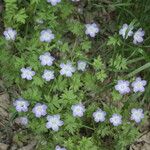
(21, 105)
(46, 36)
(10, 34)
(116, 119)
(137, 115)
(91, 29)
(138, 85)
(48, 75)
(39, 110)
(23, 121)
(126, 31)
(54, 122)
(78, 110)
(82, 65)
(99, 115)
(138, 36)
(67, 69)
(122, 87)
(54, 2)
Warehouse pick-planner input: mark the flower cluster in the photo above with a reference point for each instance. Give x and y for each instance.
(123, 86)
(126, 31)
(54, 122)
(47, 35)
(61, 69)
(46, 59)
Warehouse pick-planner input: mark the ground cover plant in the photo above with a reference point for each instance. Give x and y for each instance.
(77, 71)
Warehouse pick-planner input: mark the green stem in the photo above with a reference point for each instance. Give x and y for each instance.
(88, 127)
(135, 60)
(138, 70)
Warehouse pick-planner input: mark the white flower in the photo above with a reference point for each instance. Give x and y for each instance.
(54, 122)
(116, 119)
(59, 148)
(126, 31)
(46, 36)
(91, 29)
(78, 110)
(99, 115)
(137, 115)
(53, 2)
(27, 73)
(23, 120)
(138, 85)
(67, 69)
(123, 87)
(138, 36)
(46, 59)
(82, 65)
(10, 34)
(48, 75)
(21, 105)
(39, 21)
(39, 110)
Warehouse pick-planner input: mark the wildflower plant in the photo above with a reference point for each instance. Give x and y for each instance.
(78, 75)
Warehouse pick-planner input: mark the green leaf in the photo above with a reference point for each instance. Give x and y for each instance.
(101, 75)
(70, 124)
(76, 82)
(21, 16)
(65, 47)
(32, 94)
(118, 63)
(114, 40)
(98, 64)
(86, 45)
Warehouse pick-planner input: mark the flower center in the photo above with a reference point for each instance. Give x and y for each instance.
(21, 104)
(78, 110)
(53, 121)
(122, 86)
(46, 58)
(39, 108)
(139, 84)
(29, 73)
